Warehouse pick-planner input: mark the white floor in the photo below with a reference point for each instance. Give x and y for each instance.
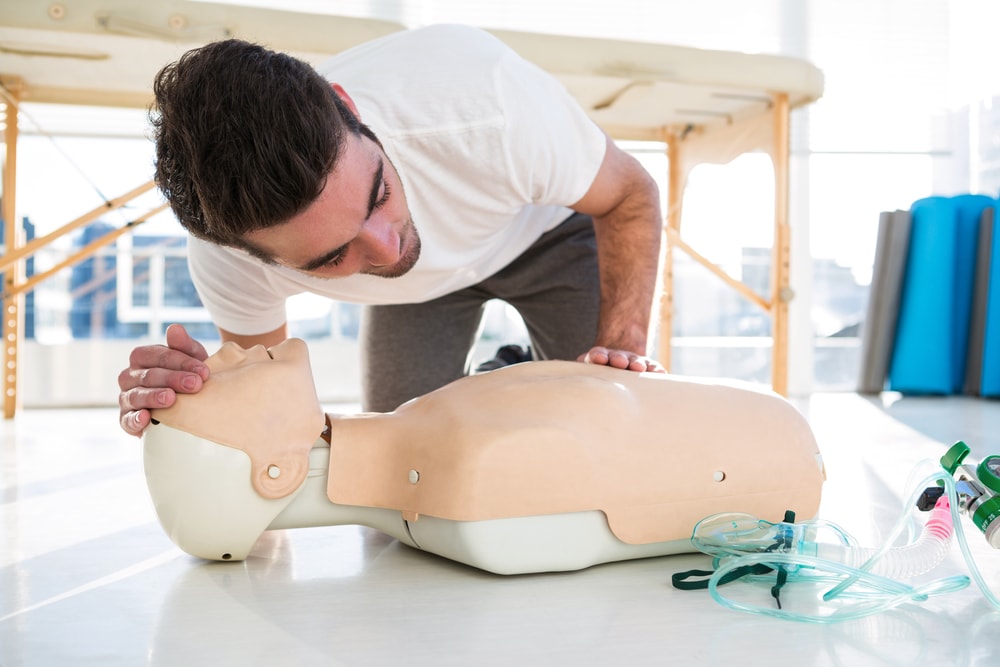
(87, 577)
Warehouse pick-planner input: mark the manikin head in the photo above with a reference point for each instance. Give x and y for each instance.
(261, 401)
(255, 150)
(221, 464)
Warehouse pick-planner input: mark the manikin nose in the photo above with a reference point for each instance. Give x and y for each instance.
(381, 243)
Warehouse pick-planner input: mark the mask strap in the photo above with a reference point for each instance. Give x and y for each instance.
(684, 581)
(680, 579)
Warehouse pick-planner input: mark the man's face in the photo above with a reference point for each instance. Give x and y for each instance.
(360, 223)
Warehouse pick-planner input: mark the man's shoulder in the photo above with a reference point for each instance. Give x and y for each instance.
(453, 32)
(450, 35)
(446, 43)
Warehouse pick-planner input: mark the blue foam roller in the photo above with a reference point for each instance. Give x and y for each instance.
(932, 330)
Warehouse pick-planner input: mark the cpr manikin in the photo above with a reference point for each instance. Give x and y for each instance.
(540, 466)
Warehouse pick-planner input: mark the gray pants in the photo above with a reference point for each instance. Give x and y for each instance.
(408, 350)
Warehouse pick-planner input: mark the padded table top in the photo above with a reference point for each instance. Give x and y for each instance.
(105, 53)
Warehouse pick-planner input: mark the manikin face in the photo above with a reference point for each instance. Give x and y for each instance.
(360, 223)
(252, 384)
(231, 357)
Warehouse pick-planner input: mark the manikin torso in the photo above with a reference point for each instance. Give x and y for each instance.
(534, 467)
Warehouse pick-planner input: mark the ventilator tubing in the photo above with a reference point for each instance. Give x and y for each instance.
(862, 581)
(902, 562)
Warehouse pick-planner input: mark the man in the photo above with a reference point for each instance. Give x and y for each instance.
(437, 172)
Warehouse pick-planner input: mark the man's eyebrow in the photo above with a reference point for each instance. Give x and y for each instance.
(253, 251)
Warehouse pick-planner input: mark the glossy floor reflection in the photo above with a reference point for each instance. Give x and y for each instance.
(87, 577)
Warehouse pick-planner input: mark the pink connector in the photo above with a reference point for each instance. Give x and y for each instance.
(939, 523)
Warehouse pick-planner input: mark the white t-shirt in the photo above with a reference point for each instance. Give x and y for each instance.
(490, 150)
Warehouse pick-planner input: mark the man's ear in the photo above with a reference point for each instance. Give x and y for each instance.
(342, 94)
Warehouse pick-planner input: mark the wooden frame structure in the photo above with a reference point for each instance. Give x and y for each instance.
(13, 304)
(15, 283)
(705, 106)
(776, 303)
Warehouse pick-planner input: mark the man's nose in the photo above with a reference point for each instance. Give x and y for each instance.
(381, 242)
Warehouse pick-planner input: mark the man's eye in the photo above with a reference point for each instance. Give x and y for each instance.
(336, 260)
(385, 195)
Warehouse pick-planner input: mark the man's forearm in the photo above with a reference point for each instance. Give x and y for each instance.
(628, 246)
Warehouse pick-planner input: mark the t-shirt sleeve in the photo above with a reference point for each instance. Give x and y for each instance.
(235, 289)
(555, 149)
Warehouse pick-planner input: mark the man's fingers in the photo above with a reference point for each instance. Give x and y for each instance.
(142, 398)
(597, 356)
(136, 403)
(156, 374)
(144, 389)
(135, 422)
(150, 364)
(622, 359)
(179, 339)
(147, 381)
(653, 366)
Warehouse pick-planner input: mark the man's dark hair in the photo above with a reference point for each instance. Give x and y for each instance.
(245, 138)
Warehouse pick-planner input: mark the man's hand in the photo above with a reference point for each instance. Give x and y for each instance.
(623, 359)
(155, 375)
